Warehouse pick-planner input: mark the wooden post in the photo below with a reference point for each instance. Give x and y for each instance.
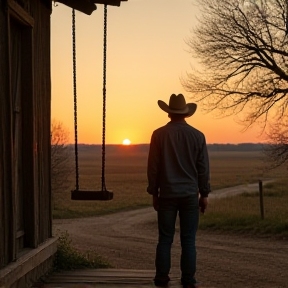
(261, 199)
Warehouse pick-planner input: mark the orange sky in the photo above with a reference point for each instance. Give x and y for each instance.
(146, 57)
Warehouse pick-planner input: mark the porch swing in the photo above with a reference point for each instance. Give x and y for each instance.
(78, 194)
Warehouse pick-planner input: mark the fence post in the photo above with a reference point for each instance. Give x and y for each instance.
(261, 199)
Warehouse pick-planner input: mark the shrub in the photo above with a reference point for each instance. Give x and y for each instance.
(70, 258)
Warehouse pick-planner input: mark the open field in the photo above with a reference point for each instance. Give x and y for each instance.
(126, 177)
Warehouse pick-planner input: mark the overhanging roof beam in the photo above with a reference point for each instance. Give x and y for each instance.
(88, 6)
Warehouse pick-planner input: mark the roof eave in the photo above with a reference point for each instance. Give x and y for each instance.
(88, 6)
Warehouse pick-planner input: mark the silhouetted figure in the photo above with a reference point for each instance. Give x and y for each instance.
(178, 171)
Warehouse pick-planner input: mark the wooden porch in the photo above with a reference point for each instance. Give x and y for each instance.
(105, 278)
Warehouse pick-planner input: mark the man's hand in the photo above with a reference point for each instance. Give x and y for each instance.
(155, 203)
(203, 202)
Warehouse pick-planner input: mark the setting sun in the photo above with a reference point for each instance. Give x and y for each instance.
(126, 142)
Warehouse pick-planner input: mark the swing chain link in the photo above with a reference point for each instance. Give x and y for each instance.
(75, 99)
(104, 97)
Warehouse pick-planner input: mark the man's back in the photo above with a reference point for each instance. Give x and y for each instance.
(177, 155)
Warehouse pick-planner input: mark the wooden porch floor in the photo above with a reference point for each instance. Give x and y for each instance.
(105, 278)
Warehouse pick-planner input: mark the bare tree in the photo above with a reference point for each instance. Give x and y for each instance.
(61, 159)
(242, 50)
(277, 149)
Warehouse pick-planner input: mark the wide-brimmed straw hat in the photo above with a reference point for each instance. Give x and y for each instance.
(177, 105)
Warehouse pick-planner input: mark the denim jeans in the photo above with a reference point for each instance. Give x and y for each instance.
(189, 216)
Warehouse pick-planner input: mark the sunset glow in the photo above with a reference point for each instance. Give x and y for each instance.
(126, 142)
(133, 88)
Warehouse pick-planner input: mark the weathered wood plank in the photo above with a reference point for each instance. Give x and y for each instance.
(28, 262)
(106, 278)
(5, 142)
(11, 244)
(28, 138)
(41, 104)
(19, 13)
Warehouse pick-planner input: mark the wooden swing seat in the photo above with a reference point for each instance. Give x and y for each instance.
(91, 195)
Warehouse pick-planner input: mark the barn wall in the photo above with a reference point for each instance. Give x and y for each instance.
(39, 246)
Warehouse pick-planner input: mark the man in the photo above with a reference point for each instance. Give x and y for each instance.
(178, 173)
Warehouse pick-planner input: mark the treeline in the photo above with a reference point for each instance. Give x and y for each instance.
(237, 147)
(145, 147)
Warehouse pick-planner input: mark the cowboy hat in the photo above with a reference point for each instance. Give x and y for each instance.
(177, 105)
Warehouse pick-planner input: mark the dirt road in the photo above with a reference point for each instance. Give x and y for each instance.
(128, 239)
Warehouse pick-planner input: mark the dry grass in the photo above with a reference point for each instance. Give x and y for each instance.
(242, 213)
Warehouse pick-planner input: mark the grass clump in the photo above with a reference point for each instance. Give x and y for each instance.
(241, 213)
(69, 258)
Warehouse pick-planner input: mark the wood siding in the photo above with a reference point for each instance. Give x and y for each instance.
(42, 92)
(5, 140)
(33, 17)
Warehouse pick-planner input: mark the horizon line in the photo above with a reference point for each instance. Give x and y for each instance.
(131, 144)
